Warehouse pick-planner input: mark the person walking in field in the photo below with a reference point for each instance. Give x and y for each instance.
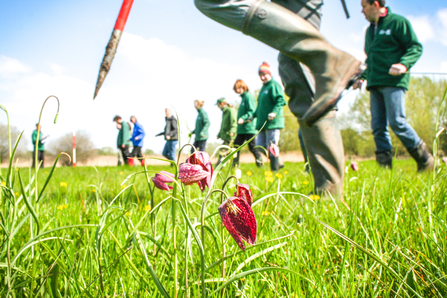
(270, 112)
(138, 135)
(392, 48)
(202, 125)
(246, 128)
(123, 140)
(171, 135)
(40, 146)
(228, 127)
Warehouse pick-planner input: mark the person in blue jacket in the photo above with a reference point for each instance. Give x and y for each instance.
(137, 139)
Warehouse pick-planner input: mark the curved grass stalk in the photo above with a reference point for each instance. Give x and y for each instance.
(9, 129)
(51, 174)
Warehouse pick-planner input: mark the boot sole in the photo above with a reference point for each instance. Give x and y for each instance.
(317, 110)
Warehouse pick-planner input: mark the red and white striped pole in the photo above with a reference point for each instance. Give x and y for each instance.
(113, 44)
(74, 148)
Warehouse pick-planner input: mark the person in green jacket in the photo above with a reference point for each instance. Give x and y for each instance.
(228, 127)
(392, 48)
(269, 112)
(246, 128)
(40, 146)
(123, 140)
(201, 129)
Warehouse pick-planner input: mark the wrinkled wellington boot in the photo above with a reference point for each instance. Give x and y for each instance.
(385, 159)
(333, 69)
(326, 155)
(274, 162)
(424, 159)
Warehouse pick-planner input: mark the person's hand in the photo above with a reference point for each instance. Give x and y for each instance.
(357, 84)
(231, 134)
(123, 146)
(397, 69)
(136, 138)
(202, 137)
(190, 134)
(240, 121)
(271, 116)
(168, 137)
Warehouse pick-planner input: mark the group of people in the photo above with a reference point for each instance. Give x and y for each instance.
(125, 139)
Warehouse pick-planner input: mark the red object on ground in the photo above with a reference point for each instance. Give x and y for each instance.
(131, 162)
(113, 44)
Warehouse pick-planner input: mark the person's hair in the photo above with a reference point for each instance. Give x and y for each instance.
(381, 2)
(199, 103)
(240, 84)
(116, 118)
(133, 117)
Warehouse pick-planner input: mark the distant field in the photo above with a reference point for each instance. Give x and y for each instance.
(93, 233)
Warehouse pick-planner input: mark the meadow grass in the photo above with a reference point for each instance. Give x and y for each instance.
(107, 232)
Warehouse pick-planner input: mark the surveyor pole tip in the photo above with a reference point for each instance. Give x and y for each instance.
(113, 44)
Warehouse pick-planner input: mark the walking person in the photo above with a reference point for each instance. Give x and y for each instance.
(313, 73)
(246, 128)
(270, 112)
(228, 127)
(138, 135)
(201, 129)
(40, 146)
(171, 136)
(123, 140)
(392, 48)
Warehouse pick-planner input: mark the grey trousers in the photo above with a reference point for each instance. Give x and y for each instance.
(323, 140)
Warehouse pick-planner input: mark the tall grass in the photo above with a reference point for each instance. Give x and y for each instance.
(107, 232)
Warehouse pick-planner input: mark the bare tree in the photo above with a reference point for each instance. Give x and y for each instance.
(85, 148)
(4, 146)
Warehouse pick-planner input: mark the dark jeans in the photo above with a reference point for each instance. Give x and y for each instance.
(40, 157)
(200, 146)
(125, 153)
(169, 149)
(241, 139)
(136, 152)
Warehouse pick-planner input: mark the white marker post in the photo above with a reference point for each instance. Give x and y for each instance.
(74, 148)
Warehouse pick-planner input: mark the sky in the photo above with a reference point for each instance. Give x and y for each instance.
(169, 55)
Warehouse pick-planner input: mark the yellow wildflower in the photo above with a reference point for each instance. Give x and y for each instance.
(305, 182)
(3, 183)
(62, 207)
(94, 190)
(128, 213)
(123, 186)
(147, 208)
(286, 172)
(63, 184)
(121, 173)
(268, 173)
(249, 173)
(16, 194)
(314, 197)
(265, 213)
(279, 175)
(269, 179)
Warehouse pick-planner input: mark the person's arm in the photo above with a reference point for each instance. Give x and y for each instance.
(174, 128)
(278, 99)
(139, 132)
(408, 40)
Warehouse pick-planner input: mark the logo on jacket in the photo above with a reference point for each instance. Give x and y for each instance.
(387, 32)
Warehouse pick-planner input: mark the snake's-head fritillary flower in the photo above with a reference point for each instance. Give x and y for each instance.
(203, 159)
(239, 219)
(190, 174)
(274, 149)
(243, 191)
(354, 166)
(161, 179)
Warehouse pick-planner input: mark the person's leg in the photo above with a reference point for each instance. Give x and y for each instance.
(379, 126)
(253, 150)
(202, 145)
(291, 34)
(323, 140)
(240, 139)
(41, 157)
(34, 159)
(172, 149)
(303, 149)
(272, 137)
(395, 110)
(261, 141)
(125, 154)
(165, 152)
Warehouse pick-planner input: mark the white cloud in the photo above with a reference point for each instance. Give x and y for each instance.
(10, 67)
(146, 76)
(422, 26)
(444, 66)
(442, 19)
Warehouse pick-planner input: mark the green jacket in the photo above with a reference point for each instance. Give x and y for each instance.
(245, 112)
(40, 145)
(392, 41)
(229, 124)
(202, 125)
(123, 135)
(270, 100)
